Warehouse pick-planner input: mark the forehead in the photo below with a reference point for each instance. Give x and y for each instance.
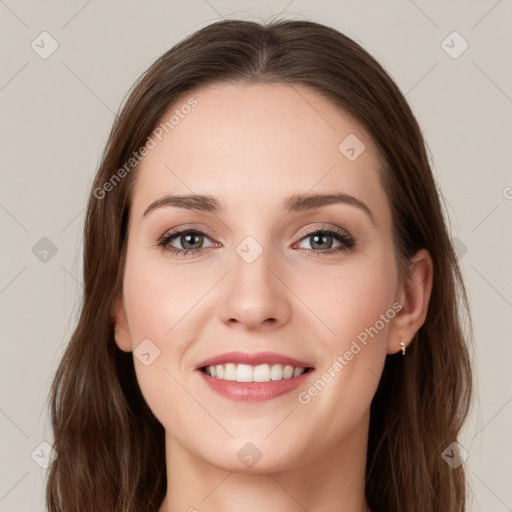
(253, 144)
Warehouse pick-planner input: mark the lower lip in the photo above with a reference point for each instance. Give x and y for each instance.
(254, 391)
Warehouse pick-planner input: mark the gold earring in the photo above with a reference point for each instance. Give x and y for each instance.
(402, 344)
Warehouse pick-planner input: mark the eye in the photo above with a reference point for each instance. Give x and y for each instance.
(190, 240)
(322, 241)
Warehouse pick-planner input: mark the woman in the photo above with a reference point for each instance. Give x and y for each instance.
(271, 313)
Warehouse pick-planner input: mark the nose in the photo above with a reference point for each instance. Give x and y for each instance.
(255, 296)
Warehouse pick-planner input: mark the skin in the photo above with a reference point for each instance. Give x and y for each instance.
(251, 146)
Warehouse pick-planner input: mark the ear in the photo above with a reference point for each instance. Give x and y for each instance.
(121, 330)
(413, 295)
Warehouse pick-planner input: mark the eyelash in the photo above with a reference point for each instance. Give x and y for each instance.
(347, 241)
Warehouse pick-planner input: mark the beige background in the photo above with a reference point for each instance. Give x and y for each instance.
(55, 115)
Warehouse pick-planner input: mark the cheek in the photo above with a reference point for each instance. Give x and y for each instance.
(156, 309)
(355, 304)
(159, 297)
(348, 298)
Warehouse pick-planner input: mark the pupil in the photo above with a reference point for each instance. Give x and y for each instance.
(186, 239)
(315, 241)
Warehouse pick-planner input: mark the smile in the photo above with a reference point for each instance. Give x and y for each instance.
(242, 376)
(248, 373)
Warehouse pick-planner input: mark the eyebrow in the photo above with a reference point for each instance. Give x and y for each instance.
(293, 203)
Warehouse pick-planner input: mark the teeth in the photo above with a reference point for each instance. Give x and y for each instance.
(230, 372)
(298, 371)
(262, 373)
(276, 372)
(244, 373)
(287, 372)
(248, 373)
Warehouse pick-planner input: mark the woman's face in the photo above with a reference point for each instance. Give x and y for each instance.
(269, 275)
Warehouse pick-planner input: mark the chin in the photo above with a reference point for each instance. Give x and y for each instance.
(252, 457)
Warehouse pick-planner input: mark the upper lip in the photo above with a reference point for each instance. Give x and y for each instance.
(253, 359)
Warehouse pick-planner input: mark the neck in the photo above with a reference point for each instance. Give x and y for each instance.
(329, 481)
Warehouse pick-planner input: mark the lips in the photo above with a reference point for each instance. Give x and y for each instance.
(253, 360)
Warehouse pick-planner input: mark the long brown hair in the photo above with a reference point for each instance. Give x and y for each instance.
(110, 453)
